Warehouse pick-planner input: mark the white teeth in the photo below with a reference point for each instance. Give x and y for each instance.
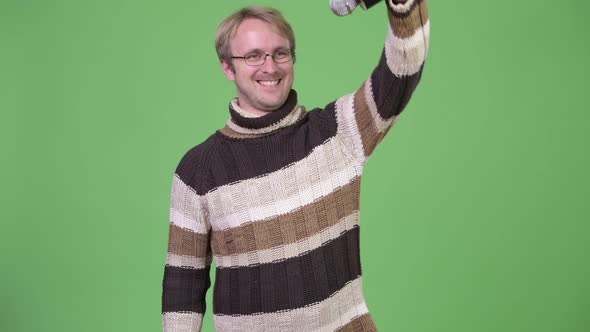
(269, 83)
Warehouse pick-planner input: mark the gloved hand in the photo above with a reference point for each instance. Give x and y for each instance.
(343, 7)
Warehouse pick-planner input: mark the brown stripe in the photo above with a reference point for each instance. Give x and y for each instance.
(365, 121)
(363, 323)
(289, 228)
(227, 131)
(405, 26)
(186, 243)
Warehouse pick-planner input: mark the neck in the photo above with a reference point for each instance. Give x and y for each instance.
(245, 122)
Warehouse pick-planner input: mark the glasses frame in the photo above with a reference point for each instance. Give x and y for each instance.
(265, 55)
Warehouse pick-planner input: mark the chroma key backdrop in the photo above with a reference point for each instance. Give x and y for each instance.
(475, 207)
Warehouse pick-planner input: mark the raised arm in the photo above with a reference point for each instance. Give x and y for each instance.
(186, 274)
(365, 116)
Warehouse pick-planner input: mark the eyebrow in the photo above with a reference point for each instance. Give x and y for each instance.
(257, 50)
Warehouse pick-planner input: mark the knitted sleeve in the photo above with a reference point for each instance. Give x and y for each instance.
(186, 274)
(365, 116)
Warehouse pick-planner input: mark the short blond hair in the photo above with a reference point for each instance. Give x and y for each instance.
(229, 25)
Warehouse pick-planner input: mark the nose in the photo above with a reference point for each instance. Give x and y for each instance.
(269, 65)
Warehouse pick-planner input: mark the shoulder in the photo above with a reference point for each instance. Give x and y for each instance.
(194, 166)
(324, 118)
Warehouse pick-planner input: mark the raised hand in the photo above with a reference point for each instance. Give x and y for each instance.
(343, 7)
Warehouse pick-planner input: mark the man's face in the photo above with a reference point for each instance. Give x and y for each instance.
(261, 88)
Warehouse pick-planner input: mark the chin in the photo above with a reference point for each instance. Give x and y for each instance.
(273, 105)
(270, 108)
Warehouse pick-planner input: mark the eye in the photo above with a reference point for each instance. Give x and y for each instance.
(281, 54)
(253, 57)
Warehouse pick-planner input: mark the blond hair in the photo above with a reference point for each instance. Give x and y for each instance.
(229, 25)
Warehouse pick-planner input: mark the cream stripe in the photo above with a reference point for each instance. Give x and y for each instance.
(298, 248)
(380, 123)
(324, 170)
(187, 261)
(180, 220)
(181, 321)
(414, 41)
(405, 56)
(186, 209)
(401, 7)
(347, 317)
(287, 120)
(347, 126)
(237, 108)
(336, 311)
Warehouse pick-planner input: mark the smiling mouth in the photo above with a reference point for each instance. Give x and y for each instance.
(269, 82)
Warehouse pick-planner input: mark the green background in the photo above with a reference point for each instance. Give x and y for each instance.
(475, 207)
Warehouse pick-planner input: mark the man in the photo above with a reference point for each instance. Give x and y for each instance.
(274, 195)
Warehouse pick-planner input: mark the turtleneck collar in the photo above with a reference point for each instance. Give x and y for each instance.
(244, 123)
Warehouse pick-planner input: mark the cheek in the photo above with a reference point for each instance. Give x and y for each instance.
(244, 75)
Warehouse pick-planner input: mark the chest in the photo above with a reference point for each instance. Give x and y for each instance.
(275, 177)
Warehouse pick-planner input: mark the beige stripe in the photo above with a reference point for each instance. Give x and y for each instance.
(282, 252)
(324, 170)
(181, 322)
(291, 227)
(361, 129)
(186, 208)
(289, 119)
(188, 261)
(363, 323)
(405, 27)
(334, 312)
(184, 242)
(228, 131)
(348, 131)
(406, 56)
(236, 107)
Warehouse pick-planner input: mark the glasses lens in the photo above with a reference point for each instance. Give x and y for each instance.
(281, 56)
(258, 59)
(254, 59)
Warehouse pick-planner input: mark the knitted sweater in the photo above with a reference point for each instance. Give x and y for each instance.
(275, 201)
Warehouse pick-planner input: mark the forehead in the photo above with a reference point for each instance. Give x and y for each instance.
(254, 34)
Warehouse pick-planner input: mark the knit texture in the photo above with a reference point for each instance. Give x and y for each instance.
(275, 201)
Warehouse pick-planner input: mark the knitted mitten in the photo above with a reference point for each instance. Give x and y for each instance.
(343, 7)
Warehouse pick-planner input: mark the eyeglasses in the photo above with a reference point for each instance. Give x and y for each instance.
(259, 58)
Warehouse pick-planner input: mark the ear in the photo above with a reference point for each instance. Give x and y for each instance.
(227, 70)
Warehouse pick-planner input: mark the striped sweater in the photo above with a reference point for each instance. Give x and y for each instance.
(275, 201)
